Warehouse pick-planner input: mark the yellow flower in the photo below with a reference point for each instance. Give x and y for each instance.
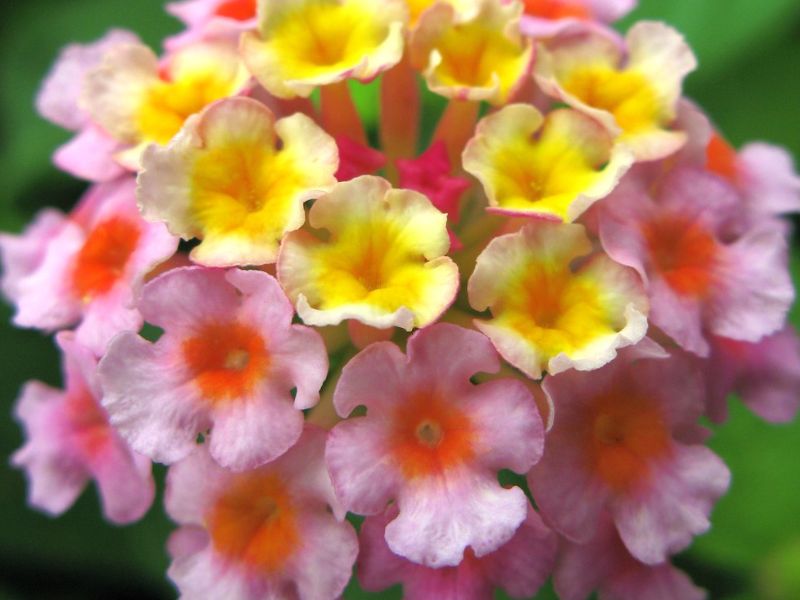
(635, 97)
(140, 102)
(553, 166)
(224, 180)
(303, 44)
(472, 55)
(380, 262)
(546, 312)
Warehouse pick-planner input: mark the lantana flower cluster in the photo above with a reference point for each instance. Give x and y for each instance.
(306, 321)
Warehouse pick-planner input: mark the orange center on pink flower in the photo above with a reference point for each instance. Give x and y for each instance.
(227, 360)
(556, 9)
(626, 433)
(721, 158)
(430, 436)
(103, 257)
(684, 253)
(254, 523)
(240, 10)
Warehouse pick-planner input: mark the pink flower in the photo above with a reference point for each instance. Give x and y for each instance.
(86, 268)
(765, 374)
(210, 19)
(764, 174)
(89, 155)
(520, 566)
(433, 442)
(548, 18)
(69, 442)
(625, 440)
(228, 360)
(262, 534)
(699, 280)
(603, 564)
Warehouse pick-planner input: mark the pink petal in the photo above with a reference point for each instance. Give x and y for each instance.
(90, 155)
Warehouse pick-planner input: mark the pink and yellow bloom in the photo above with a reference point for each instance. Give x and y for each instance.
(701, 276)
(264, 533)
(626, 441)
(86, 268)
(70, 441)
(381, 261)
(227, 361)
(472, 54)
(634, 95)
(89, 154)
(303, 44)
(520, 566)
(433, 443)
(139, 99)
(237, 179)
(548, 314)
(552, 166)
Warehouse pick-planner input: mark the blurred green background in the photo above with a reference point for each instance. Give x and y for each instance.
(748, 80)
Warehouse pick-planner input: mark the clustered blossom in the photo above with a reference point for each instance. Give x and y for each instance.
(304, 326)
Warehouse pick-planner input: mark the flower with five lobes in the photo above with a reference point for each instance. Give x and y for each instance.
(140, 100)
(382, 263)
(702, 276)
(262, 534)
(553, 166)
(227, 361)
(87, 267)
(433, 442)
(303, 44)
(472, 55)
(547, 313)
(626, 441)
(69, 441)
(237, 179)
(634, 95)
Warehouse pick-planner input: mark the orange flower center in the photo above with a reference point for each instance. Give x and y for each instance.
(240, 10)
(721, 158)
(227, 360)
(430, 436)
(683, 252)
(253, 523)
(103, 257)
(556, 9)
(626, 433)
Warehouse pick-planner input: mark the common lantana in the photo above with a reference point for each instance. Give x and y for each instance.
(530, 304)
